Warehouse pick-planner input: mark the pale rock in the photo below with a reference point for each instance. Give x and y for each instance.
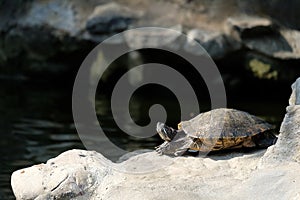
(287, 147)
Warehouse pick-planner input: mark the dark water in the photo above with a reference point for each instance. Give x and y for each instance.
(36, 124)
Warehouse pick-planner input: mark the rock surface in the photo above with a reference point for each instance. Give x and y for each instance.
(261, 35)
(263, 174)
(288, 143)
(217, 44)
(109, 18)
(242, 27)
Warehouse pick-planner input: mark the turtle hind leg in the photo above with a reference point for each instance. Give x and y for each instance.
(264, 140)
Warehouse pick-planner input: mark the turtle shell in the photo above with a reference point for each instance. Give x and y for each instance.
(224, 123)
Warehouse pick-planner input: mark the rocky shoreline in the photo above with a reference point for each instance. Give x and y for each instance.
(53, 37)
(263, 174)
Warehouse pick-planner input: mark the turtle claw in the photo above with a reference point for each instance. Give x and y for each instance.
(159, 151)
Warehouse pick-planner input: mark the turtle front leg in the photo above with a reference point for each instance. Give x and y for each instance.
(171, 148)
(161, 148)
(183, 147)
(166, 149)
(178, 146)
(162, 145)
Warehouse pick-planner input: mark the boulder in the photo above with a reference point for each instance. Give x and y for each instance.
(72, 174)
(288, 143)
(155, 37)
(261, 35)
(36, 33)
(246, 26)
(109, 18)
(60, 33)
(279, 44)
(217, 44)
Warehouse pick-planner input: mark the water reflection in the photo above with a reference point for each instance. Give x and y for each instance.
(35, 125)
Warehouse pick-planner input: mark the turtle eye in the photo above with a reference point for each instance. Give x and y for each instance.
(165, 131)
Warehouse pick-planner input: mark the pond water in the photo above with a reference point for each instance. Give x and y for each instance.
(36, 124)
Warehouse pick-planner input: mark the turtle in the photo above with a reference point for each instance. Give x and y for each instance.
(216, 130)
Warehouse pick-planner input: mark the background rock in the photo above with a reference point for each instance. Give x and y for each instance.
(63, 33)
(217, 44)
(109, 18)
(246, 26)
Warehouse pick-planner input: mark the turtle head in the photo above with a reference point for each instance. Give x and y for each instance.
(166, 133)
